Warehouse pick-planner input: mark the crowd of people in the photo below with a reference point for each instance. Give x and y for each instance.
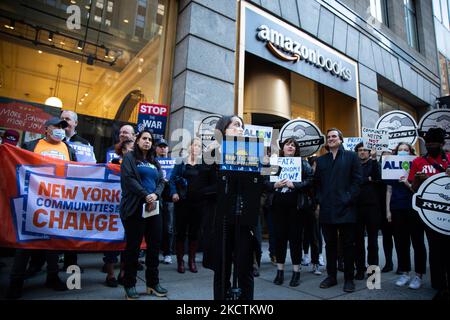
(341, 198)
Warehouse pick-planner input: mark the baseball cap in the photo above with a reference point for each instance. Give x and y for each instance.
(56, 122)
(11, 137)
(435, 135)
(162, 142)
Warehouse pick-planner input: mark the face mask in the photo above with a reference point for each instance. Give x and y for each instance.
(403, 153)
(434, 151)
(58, 134)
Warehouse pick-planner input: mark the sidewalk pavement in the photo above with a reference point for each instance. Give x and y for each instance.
(199, 286)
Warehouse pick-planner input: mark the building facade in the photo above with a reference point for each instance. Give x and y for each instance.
(219, 68)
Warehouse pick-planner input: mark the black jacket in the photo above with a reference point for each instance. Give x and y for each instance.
(337, 186)
(369, 193)
(30, 146)
(77, 139)
(133, 193)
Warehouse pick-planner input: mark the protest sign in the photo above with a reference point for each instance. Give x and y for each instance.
(395, 167)
(291, 168)
(377, 139)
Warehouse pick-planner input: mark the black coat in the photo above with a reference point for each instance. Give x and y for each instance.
(337, 186)
(368, 195)
(133, 192)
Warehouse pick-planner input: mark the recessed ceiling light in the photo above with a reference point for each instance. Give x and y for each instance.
(40, 51)
(73, 1)
(62, 43)
(77, 61)
(125, 20)
(86, 94)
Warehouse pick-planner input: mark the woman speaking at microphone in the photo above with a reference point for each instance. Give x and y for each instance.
(219, 226)
(142, 183)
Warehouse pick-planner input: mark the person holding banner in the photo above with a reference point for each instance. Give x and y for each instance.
(338, 177)
(74, 140)
(52, 145)
(190, 183)
(110, 257)
(435, 161)
(289, 203)
(142, 183)
(407, 226)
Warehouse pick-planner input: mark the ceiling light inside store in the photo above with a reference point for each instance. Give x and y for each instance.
(77, 61)
(125, 20)
(62, 43)
(11, 25)
(39, 51)
(73, 1)
(54, 101)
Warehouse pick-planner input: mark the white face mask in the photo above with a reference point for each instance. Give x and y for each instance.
(403, 153)
(58, 134)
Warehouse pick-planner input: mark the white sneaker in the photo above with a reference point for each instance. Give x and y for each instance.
(306, 260)
(321, 262)
(415, 283)
(316, 270)
(403, 280)
(167, 259)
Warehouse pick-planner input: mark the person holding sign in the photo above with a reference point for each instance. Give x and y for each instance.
(338, 178)
(407, 226)
(217, 226)
(142, 183)
(289, 201)
(434, 162)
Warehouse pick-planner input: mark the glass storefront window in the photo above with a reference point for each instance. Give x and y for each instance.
(111, 56)
(102, 61)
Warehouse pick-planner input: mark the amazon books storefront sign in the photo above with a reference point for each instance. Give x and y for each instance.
(280, 43)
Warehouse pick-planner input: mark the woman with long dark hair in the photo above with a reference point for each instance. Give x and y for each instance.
(142, 183)
(220, 247)
(287, 214)
(407, 225)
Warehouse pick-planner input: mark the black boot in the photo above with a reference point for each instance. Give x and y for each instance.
(55, 283)
(180, 253)
(295, 281)
(192, 250)
(14, 290)
(279, 279)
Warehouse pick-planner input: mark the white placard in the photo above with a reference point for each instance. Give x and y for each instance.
(395, 167)
(259, 132)
(291, 168)
(375, 138)
(350, 143)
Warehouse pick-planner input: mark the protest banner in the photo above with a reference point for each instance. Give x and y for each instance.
(58, 205)
(395, 167)
(84, 153)
(291, 168)
(153, 117)
(375, 138)
(350, 143)
(167, 165)
(259, 132)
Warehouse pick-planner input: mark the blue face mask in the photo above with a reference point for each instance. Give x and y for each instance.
(403, 153)
(58, 134)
